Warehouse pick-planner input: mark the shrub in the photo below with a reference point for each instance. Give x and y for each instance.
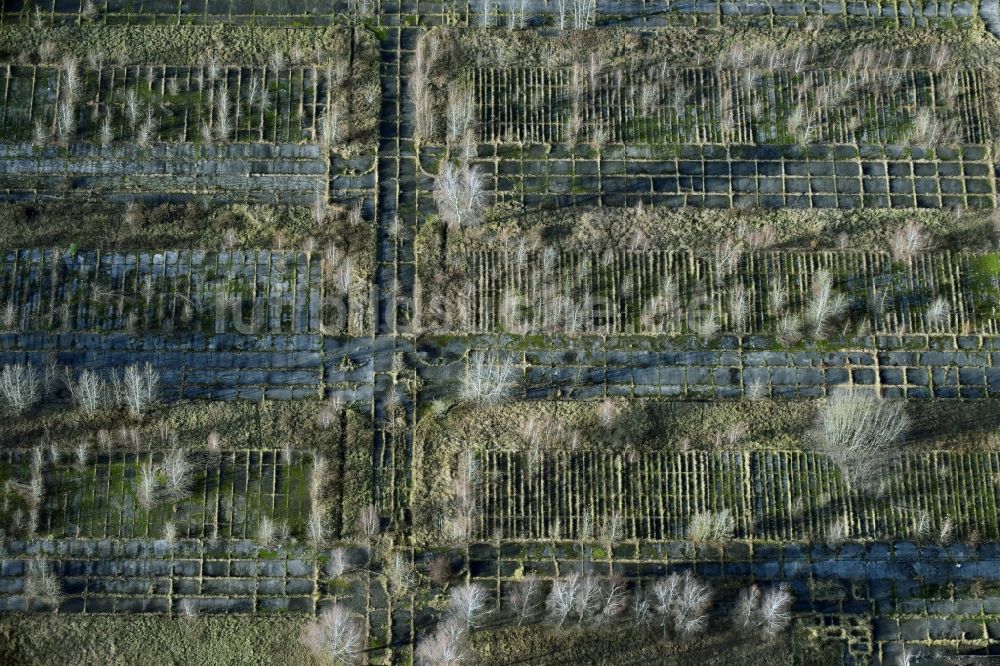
(335, 635)
(858, 429)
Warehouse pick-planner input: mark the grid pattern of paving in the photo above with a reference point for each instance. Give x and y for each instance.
(735, 176)
(262, 173)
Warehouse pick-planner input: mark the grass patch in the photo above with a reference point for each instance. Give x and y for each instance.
(627, 645)
(241, 425)
(100, 640)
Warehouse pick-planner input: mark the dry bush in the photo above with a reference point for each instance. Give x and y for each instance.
(440, 570)
(858, 430)
(335, 636)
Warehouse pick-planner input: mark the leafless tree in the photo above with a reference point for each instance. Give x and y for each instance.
(775, 610)
(369, 524)
(460, 112)
(336, 635)
(682, 603)
(448, 645)
(41, 584)
(859, 430)
(87, 390)
(399, 576)
(938, 314)
(562, 598)
(338, 563)
(825, 305)
(177, 475)
(139, 388)
(614, 598)
(711, 527)
(467, 602)
(460, 525)
(526, 599)
(908, 241)
(146, 485)
(20, 387)
(489, 378)
(768, 612)
(588, 598)
(458, 194)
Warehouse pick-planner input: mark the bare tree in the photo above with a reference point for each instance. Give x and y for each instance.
(177, 475)
(489, 377)
(446, 646)
(335, 635)
(526, 598)
(908, 241)
(139, 388)
(562, 598)
(146, 485)
(614, 598)
(588, 598)
(825, 304)
(768, 613)
(87, 390)
(711, 527)
(458, 194)
(775, 610)
(20, 387)
(682, 603)
(41, 584)
(459, 113)
(467, 602)
(858, 430)
(369, 524)
(338, 563)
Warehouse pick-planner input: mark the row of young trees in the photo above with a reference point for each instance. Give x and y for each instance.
(22, 387)
(680, 605)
